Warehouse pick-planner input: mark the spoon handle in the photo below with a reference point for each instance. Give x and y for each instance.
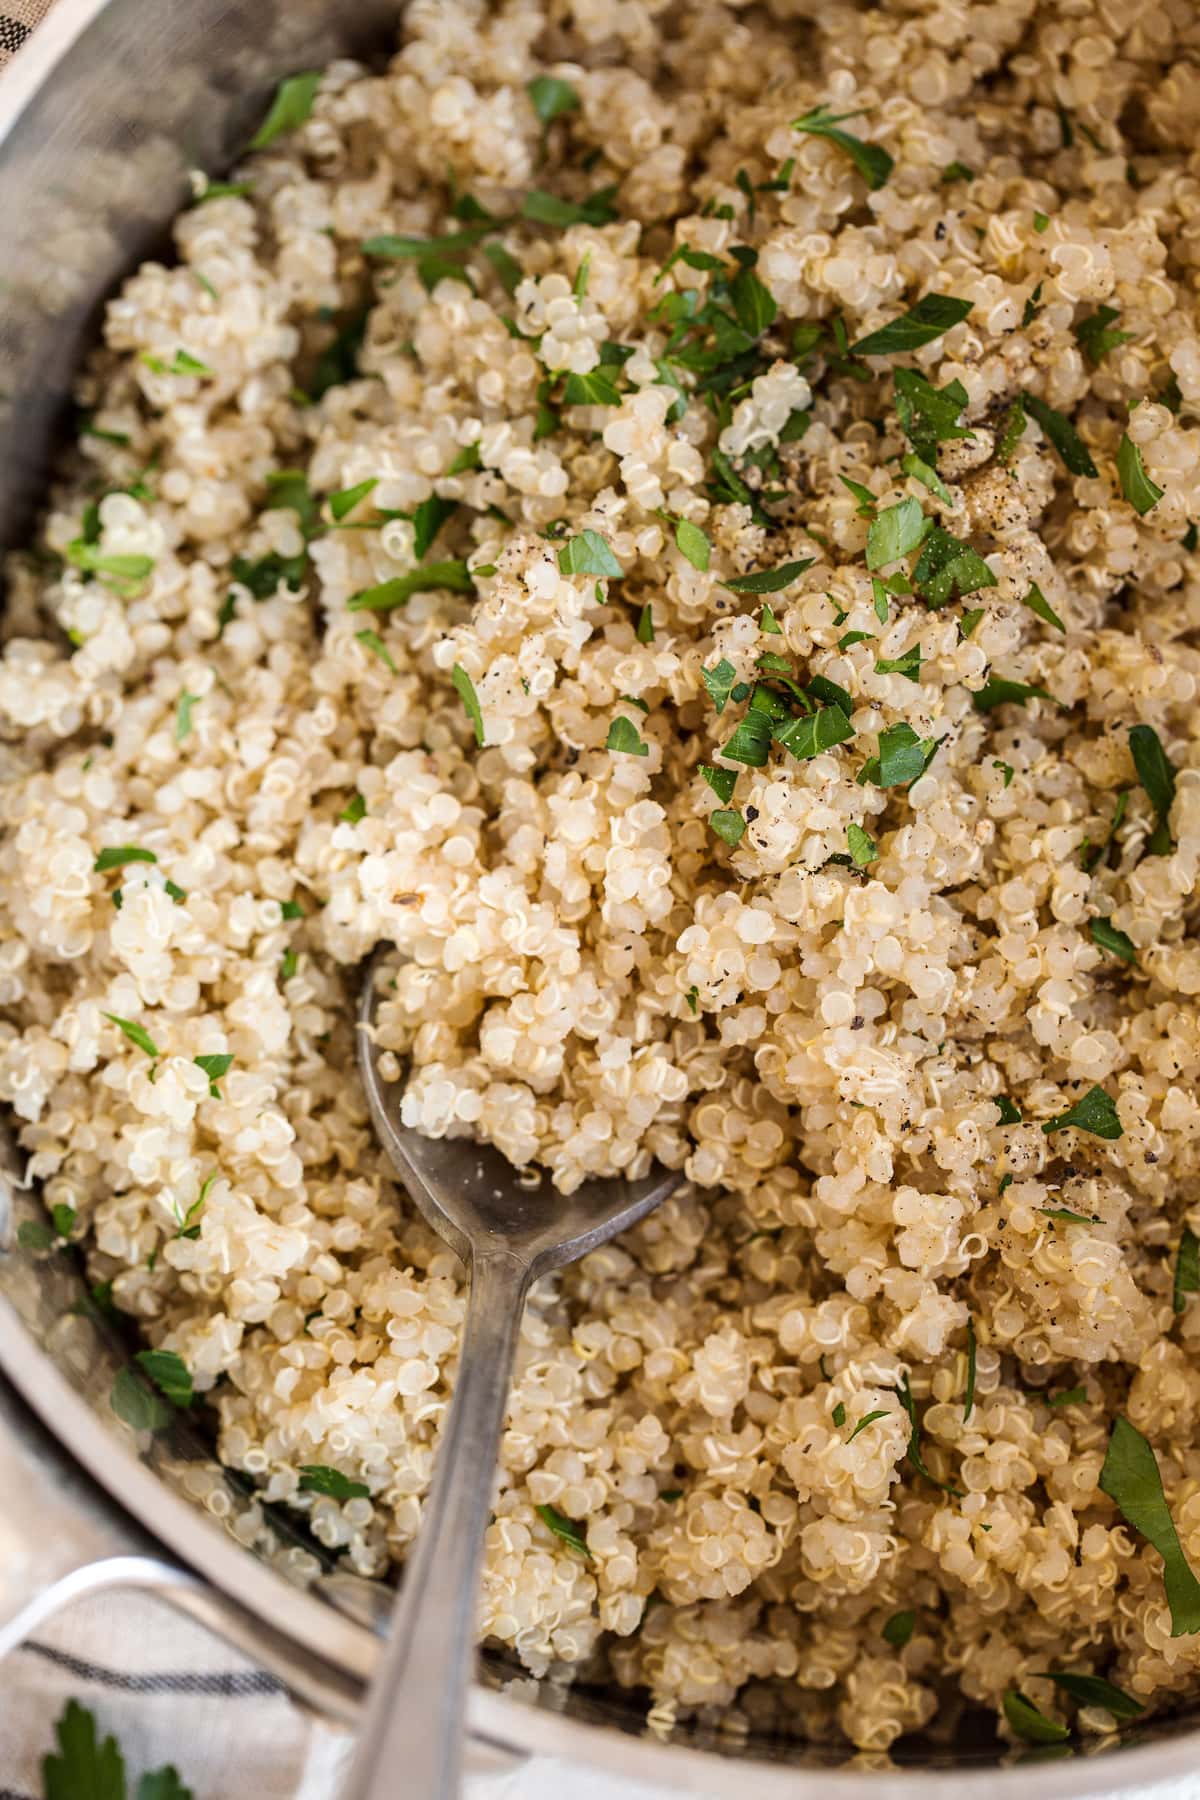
(412, 1733)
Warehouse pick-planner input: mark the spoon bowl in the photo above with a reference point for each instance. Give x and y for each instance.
(508, 1232)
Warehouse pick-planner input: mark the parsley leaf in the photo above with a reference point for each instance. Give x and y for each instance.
(644, 631)
(182, 363)
(291, 106)
(1093, 1690)
(623, 735)
(1095, 1112)
(214, 1066)
(137, 1034)
(1157, 777)
(1106, 936)
(928, 415)
(122, 572)
(930, 318)
(947, 566)
(319, 1478)
(693, 543)
(354, 810)
(769, 581)
(588, 554)
(900, 1627)
(547, 209)
(920, 470)
(119, 854)
(593, 389)
(909, 664)
(183, 716)
(551, 98)
(1029, 1723)
(86, 1766)
(1062, 434)
(871, 160)
(1187, 1269)
(1012, 430)
(998, 690)
(1038, 604)
(721, 781)
(751, 740)
(903, 757)
(464, 687)
(862, 848)
(139, 1407)
(753, 304)
(1142, 493)
(808, 737)
(1132, 1479)
(1095, 337)
(454, 576)
(719, 680)
(169, 1373)
(728, 824)
(567, 1529)
(371, 640)
(428, 520)
(896, 531)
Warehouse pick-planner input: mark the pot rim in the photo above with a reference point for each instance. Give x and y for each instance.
(348, 1650)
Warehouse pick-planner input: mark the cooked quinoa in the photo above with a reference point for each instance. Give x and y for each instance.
(835, 889)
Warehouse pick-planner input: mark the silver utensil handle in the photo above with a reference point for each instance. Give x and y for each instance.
(412, 1736)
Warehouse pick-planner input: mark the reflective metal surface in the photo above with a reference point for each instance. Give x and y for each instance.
(100, 115)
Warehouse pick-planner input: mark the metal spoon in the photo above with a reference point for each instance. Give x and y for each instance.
(508, 1234)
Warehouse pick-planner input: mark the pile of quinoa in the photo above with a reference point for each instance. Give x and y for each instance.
(396, 592)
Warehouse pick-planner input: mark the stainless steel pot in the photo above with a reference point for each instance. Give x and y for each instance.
(100, 116)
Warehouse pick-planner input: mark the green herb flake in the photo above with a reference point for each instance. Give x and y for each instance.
(1062, 434)
(542, 208)
(289, 962)
(693, 543)
(753, 304)
(1157, 776)
(139, 1407)
(969, 620)
(867, 1419)
(214, 1066)
(849, 638)
(810, 736)
(930, 318)
(1028, 1723)
(36, 1235)
(1096, 1113)
(1137, 487)
(903, 757)
(871, 160)
(920, 470)
(137, 1034)
(1065, 1216)
(728, 824)
(292, 105)
(371, 640)
(899, 1628)
(588, 554)
(169, 1373)
(182, 363)
(862, 848)
(1096, 337)
(1038, 604)
(1010, 1114)
(908, 665)
(969, 1396)
(1133, 1481)
(123, 572)
(1093, 1690)
(319, 1478)
(1006, 770)
(721, 781)
(1012, 430)
(183, 716)
(623, 736)
(464, 687)
(839, 1415)
(719, 681)
(1187, 1269)
(879, 596)
(566, 1529)
(116, 857)
(1032, 307)
(769, 581)
(593, 389)
(467, 459)
(999, 690)
(866, 508)
(1040, 222)
(354, 810)
(1075, 1396)
(645, 625)
(928, 415)
(343, 503)
(428, 520)
(453, 576)
(957, 171)
(551, 98)
(897, 531)
(767, 622)
(947, 566)
(751, 740)
(1107, 937)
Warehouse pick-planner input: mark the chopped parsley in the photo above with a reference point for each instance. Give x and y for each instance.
(957, 171)
(969, 620)
(354, 810)
(1187, 1269)
(542, 208)
(863, 849)
(1096, 338)
(720, 680)
(551, 98)
(588, 554)
(214, 1066)
(769, 581)
(903, 757)
(809, 736)
(428, 520)
(1010, 1114)
(169, 1373)
(1012, 430)
(928, 415)
(768, 623)
(1157, 776)
(371, 640)
(1132, 1480)
(623, 735)
(1142, 493)
(1093, 1690)
(728, 824)
(1068, 1397)
(139, 1407)
(343, 503)
(464, 687)
(292, 105)
(930, 318)
(908, 665)
(182, 363)
(999, 690)
(900, 1627)
(644, 631)
(1040, 222)
(897, 531)
(183, 716)
(693, 543)
(1065, 1216)
(88, 1767)
(913, 1454)
(947, 566)
(593, 389)
(137, 1034)
(751, 740)
(1038, 604)
(920, 470)
(1106, 936)
(1096, 1112)
(123, 572)
(468, 458)
(721, 781)
(867, 1419)
(969, 1396)
(454, 576)
(871, 160)
(118, 855)
(566, 1529)
(319, 1478)
(1029, 1723)
(839, 1415)
(263, 577)
(1062, 434)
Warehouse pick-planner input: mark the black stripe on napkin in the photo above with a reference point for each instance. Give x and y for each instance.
(233, 1684)
(12, 36)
